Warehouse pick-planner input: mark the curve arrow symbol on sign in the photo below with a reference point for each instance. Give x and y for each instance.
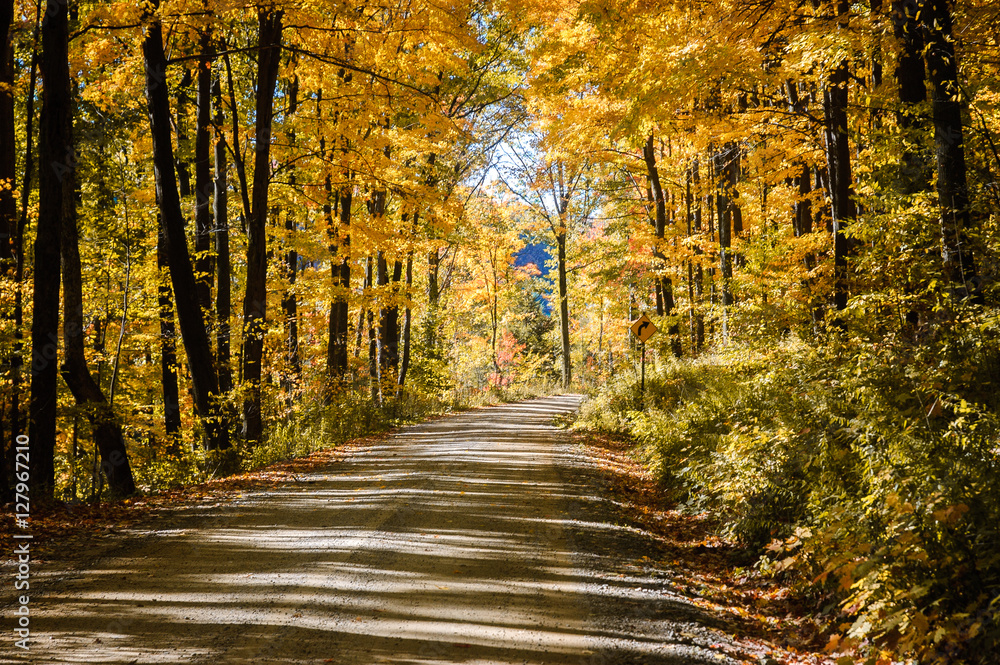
(643, 328)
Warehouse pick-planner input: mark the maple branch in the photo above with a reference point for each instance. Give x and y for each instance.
(241, 171)
(360, 70)
(93, 26)
(198, 56)
(446, 282)
(638, 189)
(599, 259)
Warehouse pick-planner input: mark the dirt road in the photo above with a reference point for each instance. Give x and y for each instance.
(477, 538)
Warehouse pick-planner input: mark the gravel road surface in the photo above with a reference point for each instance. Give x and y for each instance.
(476, 538)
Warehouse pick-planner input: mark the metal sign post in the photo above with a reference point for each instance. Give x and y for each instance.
(642, 383)
(643, 329)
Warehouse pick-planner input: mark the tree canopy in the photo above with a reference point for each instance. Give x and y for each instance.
(227, 227)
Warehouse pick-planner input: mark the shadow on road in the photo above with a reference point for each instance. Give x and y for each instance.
(478, 538)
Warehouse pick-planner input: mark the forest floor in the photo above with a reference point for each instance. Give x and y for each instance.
(482, 537)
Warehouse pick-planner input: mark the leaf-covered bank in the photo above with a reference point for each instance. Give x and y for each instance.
(866, 474)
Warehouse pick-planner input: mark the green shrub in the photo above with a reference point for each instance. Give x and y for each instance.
(872, 469)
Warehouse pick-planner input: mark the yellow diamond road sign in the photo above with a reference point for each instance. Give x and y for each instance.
(643, 328)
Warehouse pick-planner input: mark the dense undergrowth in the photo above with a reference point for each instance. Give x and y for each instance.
(866, 471)
(296, 427)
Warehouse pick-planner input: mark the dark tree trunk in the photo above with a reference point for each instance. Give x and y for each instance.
(8, 206)
(331, 205)
(397, 277)
(180, 126)
(404, 364)
(168, 345)
(88, 395)
(433, 267)
(255, 300)
(803, 225)
(734, 170)
(802, 214)
(692, 215)
(802, 209)
(17, 358)
(290, 308)
(223, 290)
(372, 333)
(699, 276)
(386, 366)
(561, 195)
(838, 158)
(911, 76)
(821, 213)
(203, 180)
(654, 197)
(949, 146)
(54, 190)
(914, 171)
(8, 237)
(205, 382)
(289, 299)
(340, 273)
(567, 360)
(359, 330)
(433, 295)
(388, 324)
(724, 217)
(665, 288)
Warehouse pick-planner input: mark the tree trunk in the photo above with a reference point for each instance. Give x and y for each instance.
(203, 180)
(372, 333)
(433, 295)
(699, 276)
(802, 214)
(87, 393)
(359, 330)
(290, 308)
(168, 345)
(8, 235)
(734, 170)
(54, 189)
(255, 300)
(803, 225)
(838, 157)
(180, 127)
(17, 358)
(340, 273)
(404, 364)
(223, 290)
(205, 382)
(914, 171)
(724, 219)
(8, 206)
(567, 360)
(289, 299)
(665, 287)
(949, 147)
(388, 325)
(693, 209)
(802, 208)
